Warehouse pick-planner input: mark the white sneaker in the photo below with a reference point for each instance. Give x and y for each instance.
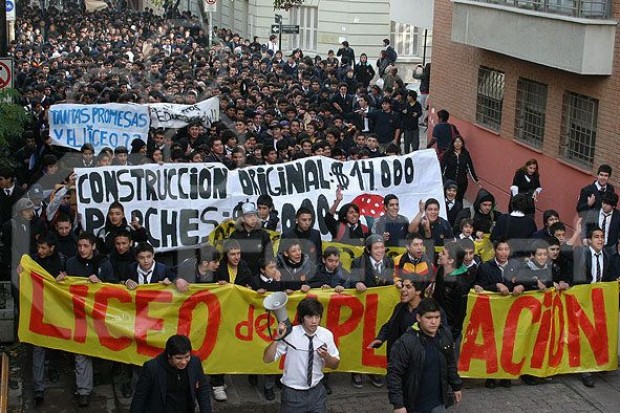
(219, 394)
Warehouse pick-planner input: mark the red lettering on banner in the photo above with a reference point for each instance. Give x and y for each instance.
(214, 320)
(369, 358)
(144, 323)
(481, 319)
(510, 331)
(37, 325)
(244, 330)
(596, 334)
(556, 346)
(100, 311)
(79, 293)
(334, 308)
(263, 323)
(542, 338)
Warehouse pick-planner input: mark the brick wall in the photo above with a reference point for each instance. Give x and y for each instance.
(454, 82)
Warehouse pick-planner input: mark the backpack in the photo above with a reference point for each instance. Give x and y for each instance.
(391, 54)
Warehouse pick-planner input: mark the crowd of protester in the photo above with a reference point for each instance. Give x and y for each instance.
(273, 108)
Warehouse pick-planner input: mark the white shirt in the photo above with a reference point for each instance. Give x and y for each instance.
(296, 362)
(374, 265)
(9, 191)
(593, 269)
(366, 123)
(599, 187)
(272, 46)
(144, 277)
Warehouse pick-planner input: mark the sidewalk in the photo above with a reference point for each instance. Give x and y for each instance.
(562, 394)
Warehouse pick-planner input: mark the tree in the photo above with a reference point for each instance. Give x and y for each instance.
(286, 4)
(14, 120)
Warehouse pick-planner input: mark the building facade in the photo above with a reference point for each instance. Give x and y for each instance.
(325, 24)
(531, 79)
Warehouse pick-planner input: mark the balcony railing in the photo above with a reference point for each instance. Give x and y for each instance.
(587, 9)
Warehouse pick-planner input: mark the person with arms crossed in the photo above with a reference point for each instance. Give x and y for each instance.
(308, 348)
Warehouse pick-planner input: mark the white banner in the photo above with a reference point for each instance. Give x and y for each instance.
(95, 5)
(110, 124)
(180, 204)
(169, 115)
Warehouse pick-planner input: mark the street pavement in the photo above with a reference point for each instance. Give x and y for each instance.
(563, 394)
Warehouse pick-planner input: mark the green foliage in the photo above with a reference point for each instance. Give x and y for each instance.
(286, 4)
(13, 119)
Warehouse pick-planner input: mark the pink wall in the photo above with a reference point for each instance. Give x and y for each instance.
(496, 159)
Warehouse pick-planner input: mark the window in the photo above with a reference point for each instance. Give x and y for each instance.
(308, 20)
(579, 119)
(405, 39)
(490, 98)
(530, 112)
(589, 9)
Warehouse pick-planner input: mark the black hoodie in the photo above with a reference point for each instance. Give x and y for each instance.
(482, 222)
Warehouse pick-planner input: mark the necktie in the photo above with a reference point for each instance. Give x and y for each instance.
(598, 267)
(144, 278)
(604, 223)
(310, 360)
(7, 192)
(378, 267)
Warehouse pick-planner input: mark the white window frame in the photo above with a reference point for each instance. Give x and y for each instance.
(307, 17)
(405, 39)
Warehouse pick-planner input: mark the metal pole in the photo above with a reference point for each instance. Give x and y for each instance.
(280, 39)
(4, 48)
(424, 50)
(210, 29)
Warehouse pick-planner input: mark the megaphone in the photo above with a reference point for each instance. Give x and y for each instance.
(276, 303)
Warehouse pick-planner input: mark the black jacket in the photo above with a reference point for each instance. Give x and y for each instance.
(364, 73)
(244, 274)
(451, 293)
(582, 268)
(456, 167)
(586, 191)
(333, 279)
(150, 394)
(518, 230)
(591, 221)
(53, 264)
(363, 271)
(105, 236)
(255, 244)
(452, 213)
(98, 265)
(482, 222)
(489, 274)
(121, 263)
(160, 273)
(310, 241)
(404, 372)
(7, 203)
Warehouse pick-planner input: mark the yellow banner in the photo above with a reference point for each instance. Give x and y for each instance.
(483, 247)
(226, 324)
(541, 334)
